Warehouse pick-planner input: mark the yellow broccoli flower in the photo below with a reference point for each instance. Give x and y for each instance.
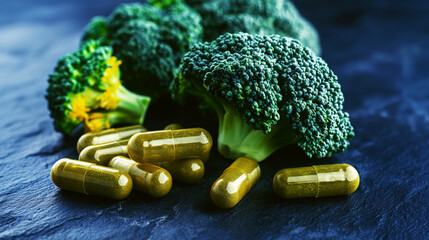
(79, 111)
(111, 74)
(95, 122)
(109, 99)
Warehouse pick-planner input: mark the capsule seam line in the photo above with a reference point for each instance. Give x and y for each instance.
(317, 181)
(124, 148)
(129, 169)
(174, 145)
(83, 180)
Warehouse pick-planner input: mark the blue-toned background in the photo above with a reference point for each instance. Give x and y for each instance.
(380, 52)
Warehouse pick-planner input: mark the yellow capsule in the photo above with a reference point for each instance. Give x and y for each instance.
(109, 135)
(147, 178)
(316, 181)
(235, 182)
(173, 126)
(169, 145)
(101, 154)
(91, 179)
(185, 171)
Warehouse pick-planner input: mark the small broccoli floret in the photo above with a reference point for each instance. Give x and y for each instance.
(85, 87)
(268, 92)
(96, 30)
(150, 39)
(138, 44)
(255, 17)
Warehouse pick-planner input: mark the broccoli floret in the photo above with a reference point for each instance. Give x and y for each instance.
(268, 92)
(255, 17)
(96, 30)
(85, 87)
(148, 60)
(150, 39)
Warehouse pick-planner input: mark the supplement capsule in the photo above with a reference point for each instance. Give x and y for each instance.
(109, 135)
(147, 178)
(235, 182)
(91, 179)
(316, 181)
(169, 145)
(185, 171)
(175, 126)
(101, 154)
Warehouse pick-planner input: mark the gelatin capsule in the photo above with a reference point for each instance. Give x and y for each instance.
(169, 145)
(109, 135)
(175, 126)
(235, 182)
(185, 171)
(101, 154)
(316, 181)
(91, 179)
(147, 178)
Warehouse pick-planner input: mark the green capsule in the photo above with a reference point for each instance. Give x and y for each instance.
(175, 126)
(316, 181)
(101, 154)
(109, 135)
(235, 182)
(185, 171)
(147, 178)
(169, 145)
(91, 179)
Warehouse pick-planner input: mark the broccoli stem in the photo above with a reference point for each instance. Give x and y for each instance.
(131, 108)
(237, 138)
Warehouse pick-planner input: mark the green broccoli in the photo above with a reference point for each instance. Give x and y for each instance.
(150, 39)
(85, 87)
(268, 92)
(255, 17)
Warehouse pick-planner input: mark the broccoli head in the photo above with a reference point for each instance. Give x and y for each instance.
(255, 17)
(268, 92)
(150, 39)
(85, 87)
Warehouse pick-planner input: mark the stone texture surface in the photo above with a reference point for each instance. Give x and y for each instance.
(379, 50)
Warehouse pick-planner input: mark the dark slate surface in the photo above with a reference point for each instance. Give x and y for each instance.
(379, 50)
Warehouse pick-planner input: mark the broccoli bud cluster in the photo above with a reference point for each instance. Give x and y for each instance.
(256, 17)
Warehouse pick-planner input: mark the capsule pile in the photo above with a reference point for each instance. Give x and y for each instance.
(115, 161)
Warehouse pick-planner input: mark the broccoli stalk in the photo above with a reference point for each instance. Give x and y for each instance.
(237, 138)
(130, 109)
(85, 88)
(268, 92)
